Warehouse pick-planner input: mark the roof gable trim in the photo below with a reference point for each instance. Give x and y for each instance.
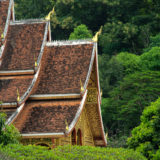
(68, 43)
(54, 96)
(90, 66)
(72, 125)
(8, 19)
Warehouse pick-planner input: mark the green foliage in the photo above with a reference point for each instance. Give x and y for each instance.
(27, 9)
(70, 152)
(80, 32)
(118, 36)
(8, 134)
(150, 60)
(145, 138)
(154, 42)
(128, 100)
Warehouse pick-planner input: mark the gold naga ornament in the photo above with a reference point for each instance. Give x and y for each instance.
(18, 96)
(82, 88)
(2, 36)
(48, 17)
(95, 38)
(66, 123)
(35, 62)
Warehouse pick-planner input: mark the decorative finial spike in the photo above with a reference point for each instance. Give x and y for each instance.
(35, 62)
(82, 88)
(101, 93)
(66, 123)
(18, 97)
(2, 36)
(48, 17)
(95, 38)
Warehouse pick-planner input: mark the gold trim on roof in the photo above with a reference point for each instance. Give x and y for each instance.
(95, 38)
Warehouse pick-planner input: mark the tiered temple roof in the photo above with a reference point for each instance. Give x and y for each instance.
(48, 78)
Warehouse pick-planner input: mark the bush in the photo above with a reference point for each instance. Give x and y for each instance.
(128, 100)
(70, 153)
(8, 134)
(145, 138)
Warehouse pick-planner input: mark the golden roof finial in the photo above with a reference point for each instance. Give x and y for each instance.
(101, 93)
(35, 62)
(18, 97)
(82, 88)
(48, 17)
(66, 123)
(95, 38)
(106, 135)
(2, 36)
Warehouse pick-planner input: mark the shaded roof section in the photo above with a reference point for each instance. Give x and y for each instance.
(46, 116)
(8, 88)
(23, 46)
(4, 4)
(62, 69)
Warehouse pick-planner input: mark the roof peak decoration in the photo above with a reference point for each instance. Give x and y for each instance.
(48, 17)
(18, 96)
(95, 38)
(82, 88)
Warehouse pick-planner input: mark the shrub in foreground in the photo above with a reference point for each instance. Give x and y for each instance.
(30, 152)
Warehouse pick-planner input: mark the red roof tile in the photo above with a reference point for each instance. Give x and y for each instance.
(46, 116)
(8, 88)
(62, 68)
(24, 41)
(3, 14)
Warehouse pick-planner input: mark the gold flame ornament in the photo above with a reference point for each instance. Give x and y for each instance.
(66, 123)
(101, 93)
(18, 96)
(82, 88)
(48, 17)
(2, 36)
(35, 62)
(106, 135)
(95, 38)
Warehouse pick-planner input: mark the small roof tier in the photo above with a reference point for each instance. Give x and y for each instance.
(9, 86)
(65, 67)
(39, 117)
(23, 46)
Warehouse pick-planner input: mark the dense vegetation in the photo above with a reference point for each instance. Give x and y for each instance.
(129, 60)
(30, 152)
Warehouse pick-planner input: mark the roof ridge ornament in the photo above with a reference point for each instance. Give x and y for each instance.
(35, 62)
(95, 38)
(66, 123)
(82, 88)
(18, 96)
(48, 17)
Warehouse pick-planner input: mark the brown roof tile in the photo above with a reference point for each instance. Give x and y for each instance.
(62, 68)
(23, 42)
(3, 14)
(46, 116)
(8, 88)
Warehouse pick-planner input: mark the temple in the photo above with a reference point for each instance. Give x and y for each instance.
(49, 90)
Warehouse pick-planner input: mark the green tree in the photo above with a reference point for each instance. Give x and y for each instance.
(145, 138)
(8, 134)
(150, 60)
(80, 32)
(128, 100)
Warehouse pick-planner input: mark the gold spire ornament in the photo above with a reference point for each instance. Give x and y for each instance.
(2, 36)
(95, 38)
(48, 17)
(18, 97)
(82, 88)
(66, 123)
(35, 62)
(101, 93)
